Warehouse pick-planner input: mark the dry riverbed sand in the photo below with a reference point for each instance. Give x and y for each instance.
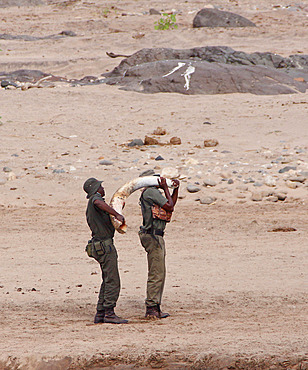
(235, 287)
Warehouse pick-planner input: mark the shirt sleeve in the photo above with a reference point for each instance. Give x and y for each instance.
(153, 195)
(96, 197)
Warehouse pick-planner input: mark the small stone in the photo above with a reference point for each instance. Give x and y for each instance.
(2, 181)
(258, 184)
(72, 168)
(210, 142)
(147, 173)
(256, 197)
(191, 161)
(159, 131)
(170, 173)
(105, 162)
(291, 184)
(175, 141)
(297, 179)
(94, 146)
(249, 180)
(286, 169)
(207, 200)
(272, 198)
(240, 195)
(191, 188)
(209, 182)
(154, 12)
(269, 181)
(159, 158)
(230, 181)
(281, 196)
(225, 175)
(266, 193)
(242, 187)
(11, 176)
(7, 169)
(61, 170)
(136, 142)
(148, 140)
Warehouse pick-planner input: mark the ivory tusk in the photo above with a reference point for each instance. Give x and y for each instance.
(119, 197)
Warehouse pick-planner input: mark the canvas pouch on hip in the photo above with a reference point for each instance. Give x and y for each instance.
(100, 247)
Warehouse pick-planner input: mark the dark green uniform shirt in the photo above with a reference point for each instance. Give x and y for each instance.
(150, 196)
(99, 220)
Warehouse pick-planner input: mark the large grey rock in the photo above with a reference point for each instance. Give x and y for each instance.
(219, 18)
(209, 70)
(207, 78)
(215, 54)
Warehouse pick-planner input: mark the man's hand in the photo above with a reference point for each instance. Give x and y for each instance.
(162, 183)
(120, 218)
(175, 183)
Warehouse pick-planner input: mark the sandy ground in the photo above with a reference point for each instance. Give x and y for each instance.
(235, 290)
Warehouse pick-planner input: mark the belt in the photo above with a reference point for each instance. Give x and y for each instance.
(153, 232)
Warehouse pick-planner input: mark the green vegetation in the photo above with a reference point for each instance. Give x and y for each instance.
(106, 11)
(169, 21)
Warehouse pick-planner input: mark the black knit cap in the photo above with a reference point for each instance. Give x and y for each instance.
(91, 186)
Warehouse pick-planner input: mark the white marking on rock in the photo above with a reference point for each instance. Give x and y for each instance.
(187, 74)
(180, 65)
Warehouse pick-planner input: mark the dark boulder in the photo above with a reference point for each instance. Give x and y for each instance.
(220, 18)
(210, 70)
(295, 65)
(201, 77)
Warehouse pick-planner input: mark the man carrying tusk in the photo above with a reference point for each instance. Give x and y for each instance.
(156, 212)
(102, 249)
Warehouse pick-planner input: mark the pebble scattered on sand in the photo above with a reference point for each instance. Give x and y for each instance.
(191, 188)
(105, 162)
(135, 142)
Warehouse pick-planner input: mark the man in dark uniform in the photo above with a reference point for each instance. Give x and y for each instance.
(102, 249)
(151, 237)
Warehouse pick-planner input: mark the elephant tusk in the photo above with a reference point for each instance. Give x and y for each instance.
(119, 197)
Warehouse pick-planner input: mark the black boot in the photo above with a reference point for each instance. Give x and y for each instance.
(112, 318)
(154, 312)
(99, 317)
(162, 315)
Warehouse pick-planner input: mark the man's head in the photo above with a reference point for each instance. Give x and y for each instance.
(92, 186)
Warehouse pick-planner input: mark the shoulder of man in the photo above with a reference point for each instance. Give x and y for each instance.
(153, 195)
(95, 197)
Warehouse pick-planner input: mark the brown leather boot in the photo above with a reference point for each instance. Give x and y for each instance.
(154, 312)
(99, 317)
(162, 315)
(112, 318)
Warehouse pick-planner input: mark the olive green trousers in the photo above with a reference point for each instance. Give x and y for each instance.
(106, 255)
(154, 245)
